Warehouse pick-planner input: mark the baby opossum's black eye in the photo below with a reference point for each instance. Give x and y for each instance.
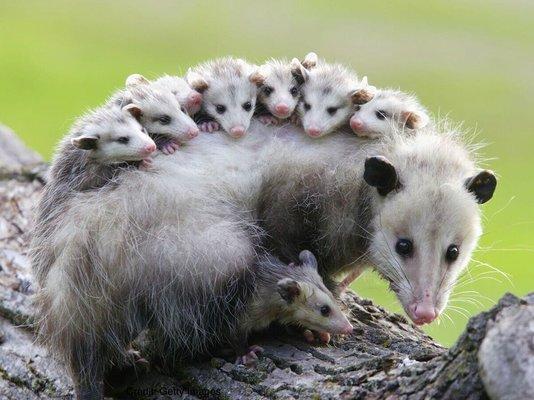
(404, 247)
(325, 310)
(123, 140)
(357, 108)
(307, 106)
(294, 91)
(452, 253)
(164, 119)
(247, 106)
(267, 90)
(220, 108)
(381, 114)
(331, 110)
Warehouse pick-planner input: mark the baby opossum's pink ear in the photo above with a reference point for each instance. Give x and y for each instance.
(134, 110)
(310, 61)
(298, 71)
(362, 96)
(257, 78)
(482, 185)
(135, 80)
(289, 289)
(86, 142)
(196, 81)
(414, 120)
(307, 258)
(381, 174)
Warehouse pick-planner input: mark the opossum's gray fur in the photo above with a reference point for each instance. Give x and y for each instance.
(149, 250)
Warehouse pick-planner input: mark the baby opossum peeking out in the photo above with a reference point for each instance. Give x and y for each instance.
(158, 111)
(328, 97)
(291, 294)
(229, 95)
(278, 84)
(389, 111)
(188, 97)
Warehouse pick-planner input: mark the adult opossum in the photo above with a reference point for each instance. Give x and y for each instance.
(148, 250)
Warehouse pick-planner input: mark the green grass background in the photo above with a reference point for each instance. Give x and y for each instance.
(472, 60)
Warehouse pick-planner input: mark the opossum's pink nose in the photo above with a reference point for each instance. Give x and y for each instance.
(237, 131)
(281, 109)
(192, 133)
(149, 148)
(313, 131)
(356, 124)
(347, 329)
(194, 99)
(423, 313)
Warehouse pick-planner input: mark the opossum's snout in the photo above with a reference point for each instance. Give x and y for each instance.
(193, 102)
(356, 124)
(192, 132)
(422, 312)
(313, 131)
(148, 149)
(281, 110)
(237, 131)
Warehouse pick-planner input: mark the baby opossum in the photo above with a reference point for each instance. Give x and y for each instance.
(188, 97)
(278, 84)
(388, 111)
(158, 111)
(328, 97)
(229, 95)
(289, 294)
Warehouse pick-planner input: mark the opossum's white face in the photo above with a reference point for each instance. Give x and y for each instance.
(424, 233)
(188, 97)
(279, 89)
(309, 303)
(115, 140)
(385, 114)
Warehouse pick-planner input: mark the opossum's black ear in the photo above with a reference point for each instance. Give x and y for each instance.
(307, 258)
(482, 185)
(196, 81)
(414, 120)
(310, 61)
(85, 142)
(362, 96)
(134, 110)
(289, 289)
(381, 174)
(135, 80)
(298, 71)
(257, 78)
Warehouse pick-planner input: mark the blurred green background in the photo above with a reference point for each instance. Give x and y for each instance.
(471, 60)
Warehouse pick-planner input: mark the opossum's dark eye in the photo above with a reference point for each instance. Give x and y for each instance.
(452, 253)
(220, 108)
(357, 108)
(325, 310)
(381, 114)
(164, 119)
(331, 110)
(307, 106)
(267, 90)
(123, 140)
(294, 91)
(404, 247)
(247, 106)
(183, 109)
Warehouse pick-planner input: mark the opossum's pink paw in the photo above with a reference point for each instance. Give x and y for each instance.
(314, 337)
(204, 126)
(269, 120)
(309, 336)
(145, 164)
(214, 126)
(324, 337)
(250, 357)
(169, 148)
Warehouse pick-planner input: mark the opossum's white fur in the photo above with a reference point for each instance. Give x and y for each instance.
(179, 87)
(389, 111)
(149, 250)
(328, 97)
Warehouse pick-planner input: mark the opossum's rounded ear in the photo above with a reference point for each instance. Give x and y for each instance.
(298, 71)
(134, 110)
(414, 119)
(307, 258)
(482, 185)
(196, 81)
(257, 78)
(135, 80)
(362, 95)
(310, 61)
(289, 289)
(86, 142)
(381, 174)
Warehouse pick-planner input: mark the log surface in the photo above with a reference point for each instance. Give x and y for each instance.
(385, 357)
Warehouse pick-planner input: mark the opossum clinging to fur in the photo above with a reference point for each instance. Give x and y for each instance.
(388, 111)
(229, 95)
(278, 84)
(328, 97)
(188, 97)
(158, 111)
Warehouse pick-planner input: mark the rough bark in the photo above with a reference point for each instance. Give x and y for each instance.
(385, 357)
